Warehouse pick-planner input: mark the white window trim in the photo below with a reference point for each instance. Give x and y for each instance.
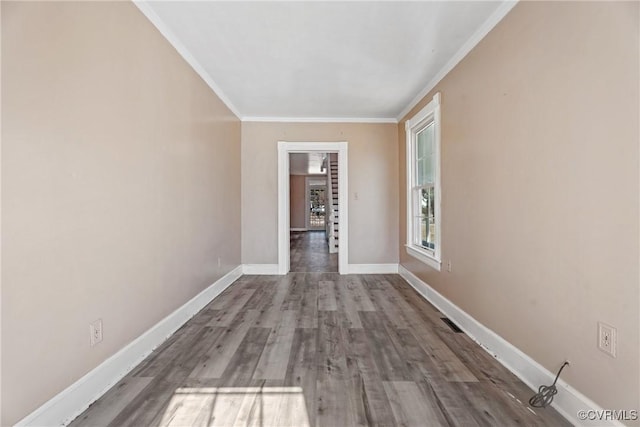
(432, 109)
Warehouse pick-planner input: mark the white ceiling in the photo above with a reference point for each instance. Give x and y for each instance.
(306, 163)
(323, 60)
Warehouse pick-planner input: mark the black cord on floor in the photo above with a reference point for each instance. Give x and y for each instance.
(544, 396)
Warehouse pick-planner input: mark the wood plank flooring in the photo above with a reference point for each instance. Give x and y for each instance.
(310, 252)
(318, 349)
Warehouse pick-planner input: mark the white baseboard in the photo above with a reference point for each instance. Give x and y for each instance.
(373, 268)
(298, 229)
(567, 402)
(260, 269)
(71, 402)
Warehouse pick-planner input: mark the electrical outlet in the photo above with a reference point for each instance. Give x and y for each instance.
(95, 332)
(449, 266)
(607, 339)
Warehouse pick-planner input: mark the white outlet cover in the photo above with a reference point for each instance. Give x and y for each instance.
(607, 339)
(95, 332)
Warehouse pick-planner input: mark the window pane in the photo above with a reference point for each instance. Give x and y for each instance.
(425, 155)
(416, 208)
(424, 232)
(423, 173)
(427, 212)
(417, 231)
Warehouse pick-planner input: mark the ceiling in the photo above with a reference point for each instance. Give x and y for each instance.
(363, 60)
(306, 163)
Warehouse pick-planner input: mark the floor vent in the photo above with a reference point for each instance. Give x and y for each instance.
(452, 325)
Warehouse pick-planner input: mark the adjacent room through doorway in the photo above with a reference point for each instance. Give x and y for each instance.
(313, 213)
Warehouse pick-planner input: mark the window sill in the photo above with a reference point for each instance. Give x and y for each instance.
(424, 257)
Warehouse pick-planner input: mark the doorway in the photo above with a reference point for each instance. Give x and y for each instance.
(284, 219)
(316, 196)
(309, 249)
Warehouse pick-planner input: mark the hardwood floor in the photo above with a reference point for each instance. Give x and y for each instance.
(318, 349)
(310, 252)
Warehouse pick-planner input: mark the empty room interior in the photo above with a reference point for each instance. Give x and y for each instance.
(320, 213)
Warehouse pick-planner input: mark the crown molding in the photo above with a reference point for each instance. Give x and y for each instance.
(318, 119)
(484, 29)
(157, 22)
(487, 26)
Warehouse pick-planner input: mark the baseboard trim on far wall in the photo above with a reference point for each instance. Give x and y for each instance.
(373, 268)
(567, 402)
(260, 269)
(298, 229)
(71, 402)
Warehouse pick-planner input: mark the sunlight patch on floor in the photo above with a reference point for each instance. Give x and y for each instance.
(237, 406)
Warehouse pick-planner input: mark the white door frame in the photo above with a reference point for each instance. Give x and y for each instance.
(284, 149)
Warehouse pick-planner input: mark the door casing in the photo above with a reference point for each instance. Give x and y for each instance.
(284, 149)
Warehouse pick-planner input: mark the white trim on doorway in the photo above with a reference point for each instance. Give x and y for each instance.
(284, 149)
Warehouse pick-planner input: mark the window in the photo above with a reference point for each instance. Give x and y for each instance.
(423, 184)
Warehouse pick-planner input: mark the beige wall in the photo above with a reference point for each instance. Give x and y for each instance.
(540, 189)
(373, 174)
(297, 189)
(120, 189)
